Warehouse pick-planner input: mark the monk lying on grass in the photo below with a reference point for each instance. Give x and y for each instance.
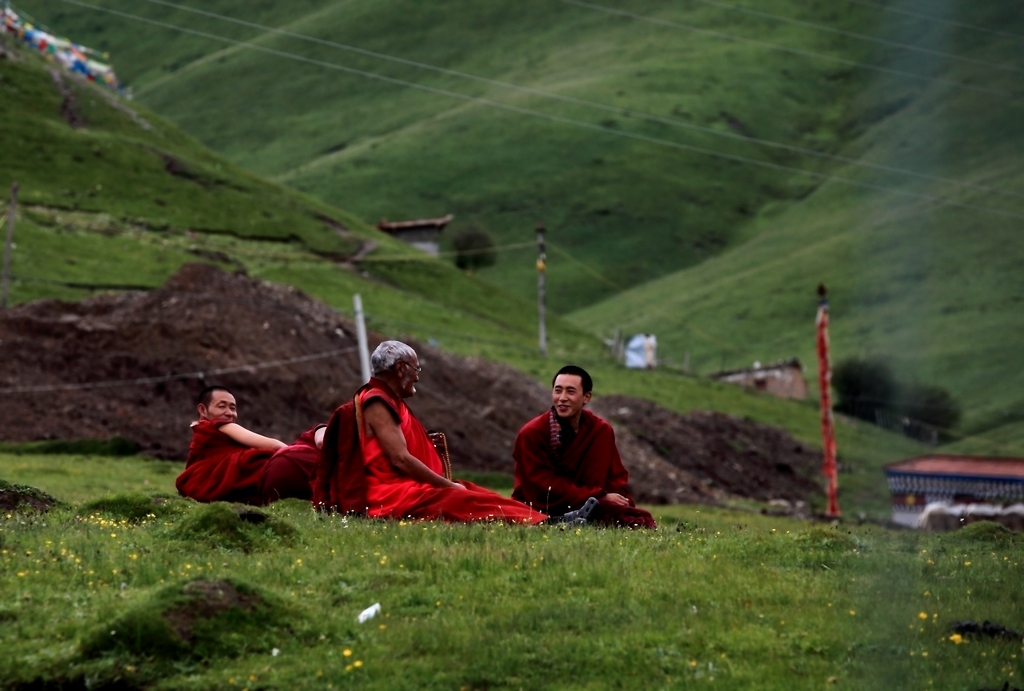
(378, 460)
(567, 454)
(227, 462)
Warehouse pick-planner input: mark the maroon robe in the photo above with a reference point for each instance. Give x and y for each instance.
(355, 471)
(289, 472)
(218, 468)
(559, 478)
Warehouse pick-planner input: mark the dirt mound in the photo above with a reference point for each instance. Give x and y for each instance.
(714, 455)
(22, 498)
(207, 599)
(131, 364)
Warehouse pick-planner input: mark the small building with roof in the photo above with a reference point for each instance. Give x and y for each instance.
(784, 379)
(916, 482)
(423, 233)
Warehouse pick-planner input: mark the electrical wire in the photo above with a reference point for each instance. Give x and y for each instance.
(555, 118)
(625, 112)
(785, 49)
(853, 34)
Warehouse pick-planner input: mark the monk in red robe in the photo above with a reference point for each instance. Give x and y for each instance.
(378, 460)
(225, 460)
(288, 474)
(568, 454)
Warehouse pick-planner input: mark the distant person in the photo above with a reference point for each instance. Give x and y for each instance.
(650, 351)
(377, 458)
(225, 460)
(567, 454)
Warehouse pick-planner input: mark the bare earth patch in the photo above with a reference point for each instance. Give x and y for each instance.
(21, 498)
(126, 364)
(209, 599)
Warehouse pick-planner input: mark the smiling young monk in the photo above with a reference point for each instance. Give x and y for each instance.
(225, 460)
(567, 454)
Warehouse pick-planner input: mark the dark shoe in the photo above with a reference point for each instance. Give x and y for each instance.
(577, 517)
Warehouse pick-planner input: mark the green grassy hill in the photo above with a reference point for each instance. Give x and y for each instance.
(145, 221)
(399, 109)
(506, 134)
(926, 275)
(127, 198)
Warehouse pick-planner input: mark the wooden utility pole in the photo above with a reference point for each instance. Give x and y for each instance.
(541, 297)
(11, 211)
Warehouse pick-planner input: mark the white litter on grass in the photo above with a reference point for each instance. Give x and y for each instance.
(369, 613)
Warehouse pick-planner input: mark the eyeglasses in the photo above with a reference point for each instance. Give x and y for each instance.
(409, 365)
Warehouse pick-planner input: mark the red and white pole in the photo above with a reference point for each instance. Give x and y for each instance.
(828, 432)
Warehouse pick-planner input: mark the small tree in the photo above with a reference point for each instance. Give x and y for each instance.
(863, 386)
(929, 404)
(474, 249)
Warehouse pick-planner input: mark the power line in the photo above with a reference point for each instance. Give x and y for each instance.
(556, 118)
(785, 49)
(937, 20)
(625, 112)
(855, 35)
(592, 271)
(202, 374)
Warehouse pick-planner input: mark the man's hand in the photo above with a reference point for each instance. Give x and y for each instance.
(457, 485)
(615, 499)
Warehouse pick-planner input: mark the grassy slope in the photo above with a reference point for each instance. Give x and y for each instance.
(631, 210)
(98, 205)
(714, 598)
(935, 288)
(114, 237)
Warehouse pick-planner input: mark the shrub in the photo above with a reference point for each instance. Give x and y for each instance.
(474, 249)
(929, 404)
(863, 387)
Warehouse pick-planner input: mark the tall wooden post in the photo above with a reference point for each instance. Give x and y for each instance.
(541, 296)
(11, 211)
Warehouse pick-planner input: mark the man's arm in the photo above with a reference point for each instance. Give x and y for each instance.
(247, 438)
(381, 424)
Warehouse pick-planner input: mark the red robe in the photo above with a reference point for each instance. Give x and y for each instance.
(557, 480)
(388, 493)
(289, 472)
(218, 468)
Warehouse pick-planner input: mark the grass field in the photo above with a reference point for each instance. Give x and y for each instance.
(713, 598)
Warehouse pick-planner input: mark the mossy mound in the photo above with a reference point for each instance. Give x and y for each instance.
(233, 526)
(22, 499)
(195, 621)
(134, 507)
(982, 531)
